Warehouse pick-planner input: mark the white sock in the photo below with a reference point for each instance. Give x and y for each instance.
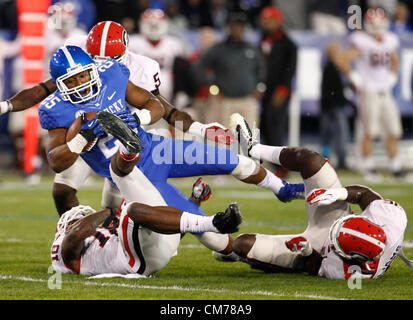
(194, 223)
(271, 182)
(266, 153)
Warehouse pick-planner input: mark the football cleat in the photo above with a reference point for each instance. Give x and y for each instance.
(113, 125)
(291, 191)
(225, 257)
(241, 130)
(201, 190)
(228, 221)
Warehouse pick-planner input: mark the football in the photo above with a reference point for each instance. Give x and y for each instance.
(75, 127)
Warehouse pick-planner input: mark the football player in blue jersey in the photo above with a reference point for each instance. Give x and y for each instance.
(114, 46)
(84, 87)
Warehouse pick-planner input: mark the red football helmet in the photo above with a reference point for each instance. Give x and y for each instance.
(153, 24)
(376, 22)
(355, 237)
(106, 40)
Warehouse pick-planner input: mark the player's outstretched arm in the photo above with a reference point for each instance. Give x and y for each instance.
(27, 98)
(150, 108)
(173, 115)
(355, 194)
(361, 195)
(73, 243)
(183, 121)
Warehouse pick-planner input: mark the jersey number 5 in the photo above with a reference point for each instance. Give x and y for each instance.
(157, 80)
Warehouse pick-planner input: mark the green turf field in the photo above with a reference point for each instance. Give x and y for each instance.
(28, 220)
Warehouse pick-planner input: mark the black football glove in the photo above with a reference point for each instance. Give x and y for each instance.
(90, 129)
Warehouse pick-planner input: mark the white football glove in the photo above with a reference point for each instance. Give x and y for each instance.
(326, 196)
(300, 244)
(212, 131)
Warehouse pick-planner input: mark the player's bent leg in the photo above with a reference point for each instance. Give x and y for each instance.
(268, 252)
(146, 251)
(111, 197)
(221, 243)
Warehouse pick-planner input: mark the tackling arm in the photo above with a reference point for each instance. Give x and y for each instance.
(173, 115)
(27, 98)
(151, 109)
(73, 243)
(212, 131)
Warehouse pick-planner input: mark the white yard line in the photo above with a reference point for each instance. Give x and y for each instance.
(179, 288)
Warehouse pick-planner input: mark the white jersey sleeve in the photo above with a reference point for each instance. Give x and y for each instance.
(144, 71)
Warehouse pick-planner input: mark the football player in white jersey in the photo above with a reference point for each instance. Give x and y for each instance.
(374, 52)
(154, 42)
(141, 242)
(335, 238)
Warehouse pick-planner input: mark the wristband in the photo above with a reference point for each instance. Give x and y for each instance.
(77, 144)
(144, 116)
(5, 107)
(168, 119)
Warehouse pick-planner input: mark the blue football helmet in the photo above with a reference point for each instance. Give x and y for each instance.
(69, 61)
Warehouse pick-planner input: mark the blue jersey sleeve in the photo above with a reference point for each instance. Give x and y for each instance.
(47, 121)
(55, 113)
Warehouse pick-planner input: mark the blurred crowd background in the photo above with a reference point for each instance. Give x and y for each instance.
(203, 74)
